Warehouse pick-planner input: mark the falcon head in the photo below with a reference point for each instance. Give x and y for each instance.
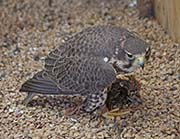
(132, 54)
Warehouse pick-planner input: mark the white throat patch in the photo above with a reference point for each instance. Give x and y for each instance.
(106, 59)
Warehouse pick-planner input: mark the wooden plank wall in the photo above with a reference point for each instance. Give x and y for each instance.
(167, 12)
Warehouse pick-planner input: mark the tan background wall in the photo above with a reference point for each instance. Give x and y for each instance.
(167, 12)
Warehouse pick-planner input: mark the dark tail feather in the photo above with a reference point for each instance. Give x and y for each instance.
(40, 84)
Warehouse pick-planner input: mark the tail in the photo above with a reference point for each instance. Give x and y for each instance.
(40, 84)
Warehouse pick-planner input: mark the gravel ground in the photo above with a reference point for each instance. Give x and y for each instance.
(30, 29)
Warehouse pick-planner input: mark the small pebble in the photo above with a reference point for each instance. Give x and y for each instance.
(178, 76)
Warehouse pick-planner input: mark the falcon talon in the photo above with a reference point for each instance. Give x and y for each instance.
(87, 63)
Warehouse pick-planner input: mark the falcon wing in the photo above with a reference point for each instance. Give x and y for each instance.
(79, 75)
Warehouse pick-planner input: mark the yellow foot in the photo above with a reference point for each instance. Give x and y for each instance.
(122, 77)
(115, 113)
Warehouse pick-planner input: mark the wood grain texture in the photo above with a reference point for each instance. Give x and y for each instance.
(167, 12)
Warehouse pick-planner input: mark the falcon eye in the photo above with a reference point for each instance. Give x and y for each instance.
(129, 56)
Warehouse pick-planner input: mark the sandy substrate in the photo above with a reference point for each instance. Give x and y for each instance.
(30, 29)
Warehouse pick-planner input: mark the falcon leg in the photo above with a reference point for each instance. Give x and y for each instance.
(28, 98)
(94, 101)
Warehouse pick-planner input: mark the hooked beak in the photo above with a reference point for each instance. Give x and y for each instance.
(141, 61)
